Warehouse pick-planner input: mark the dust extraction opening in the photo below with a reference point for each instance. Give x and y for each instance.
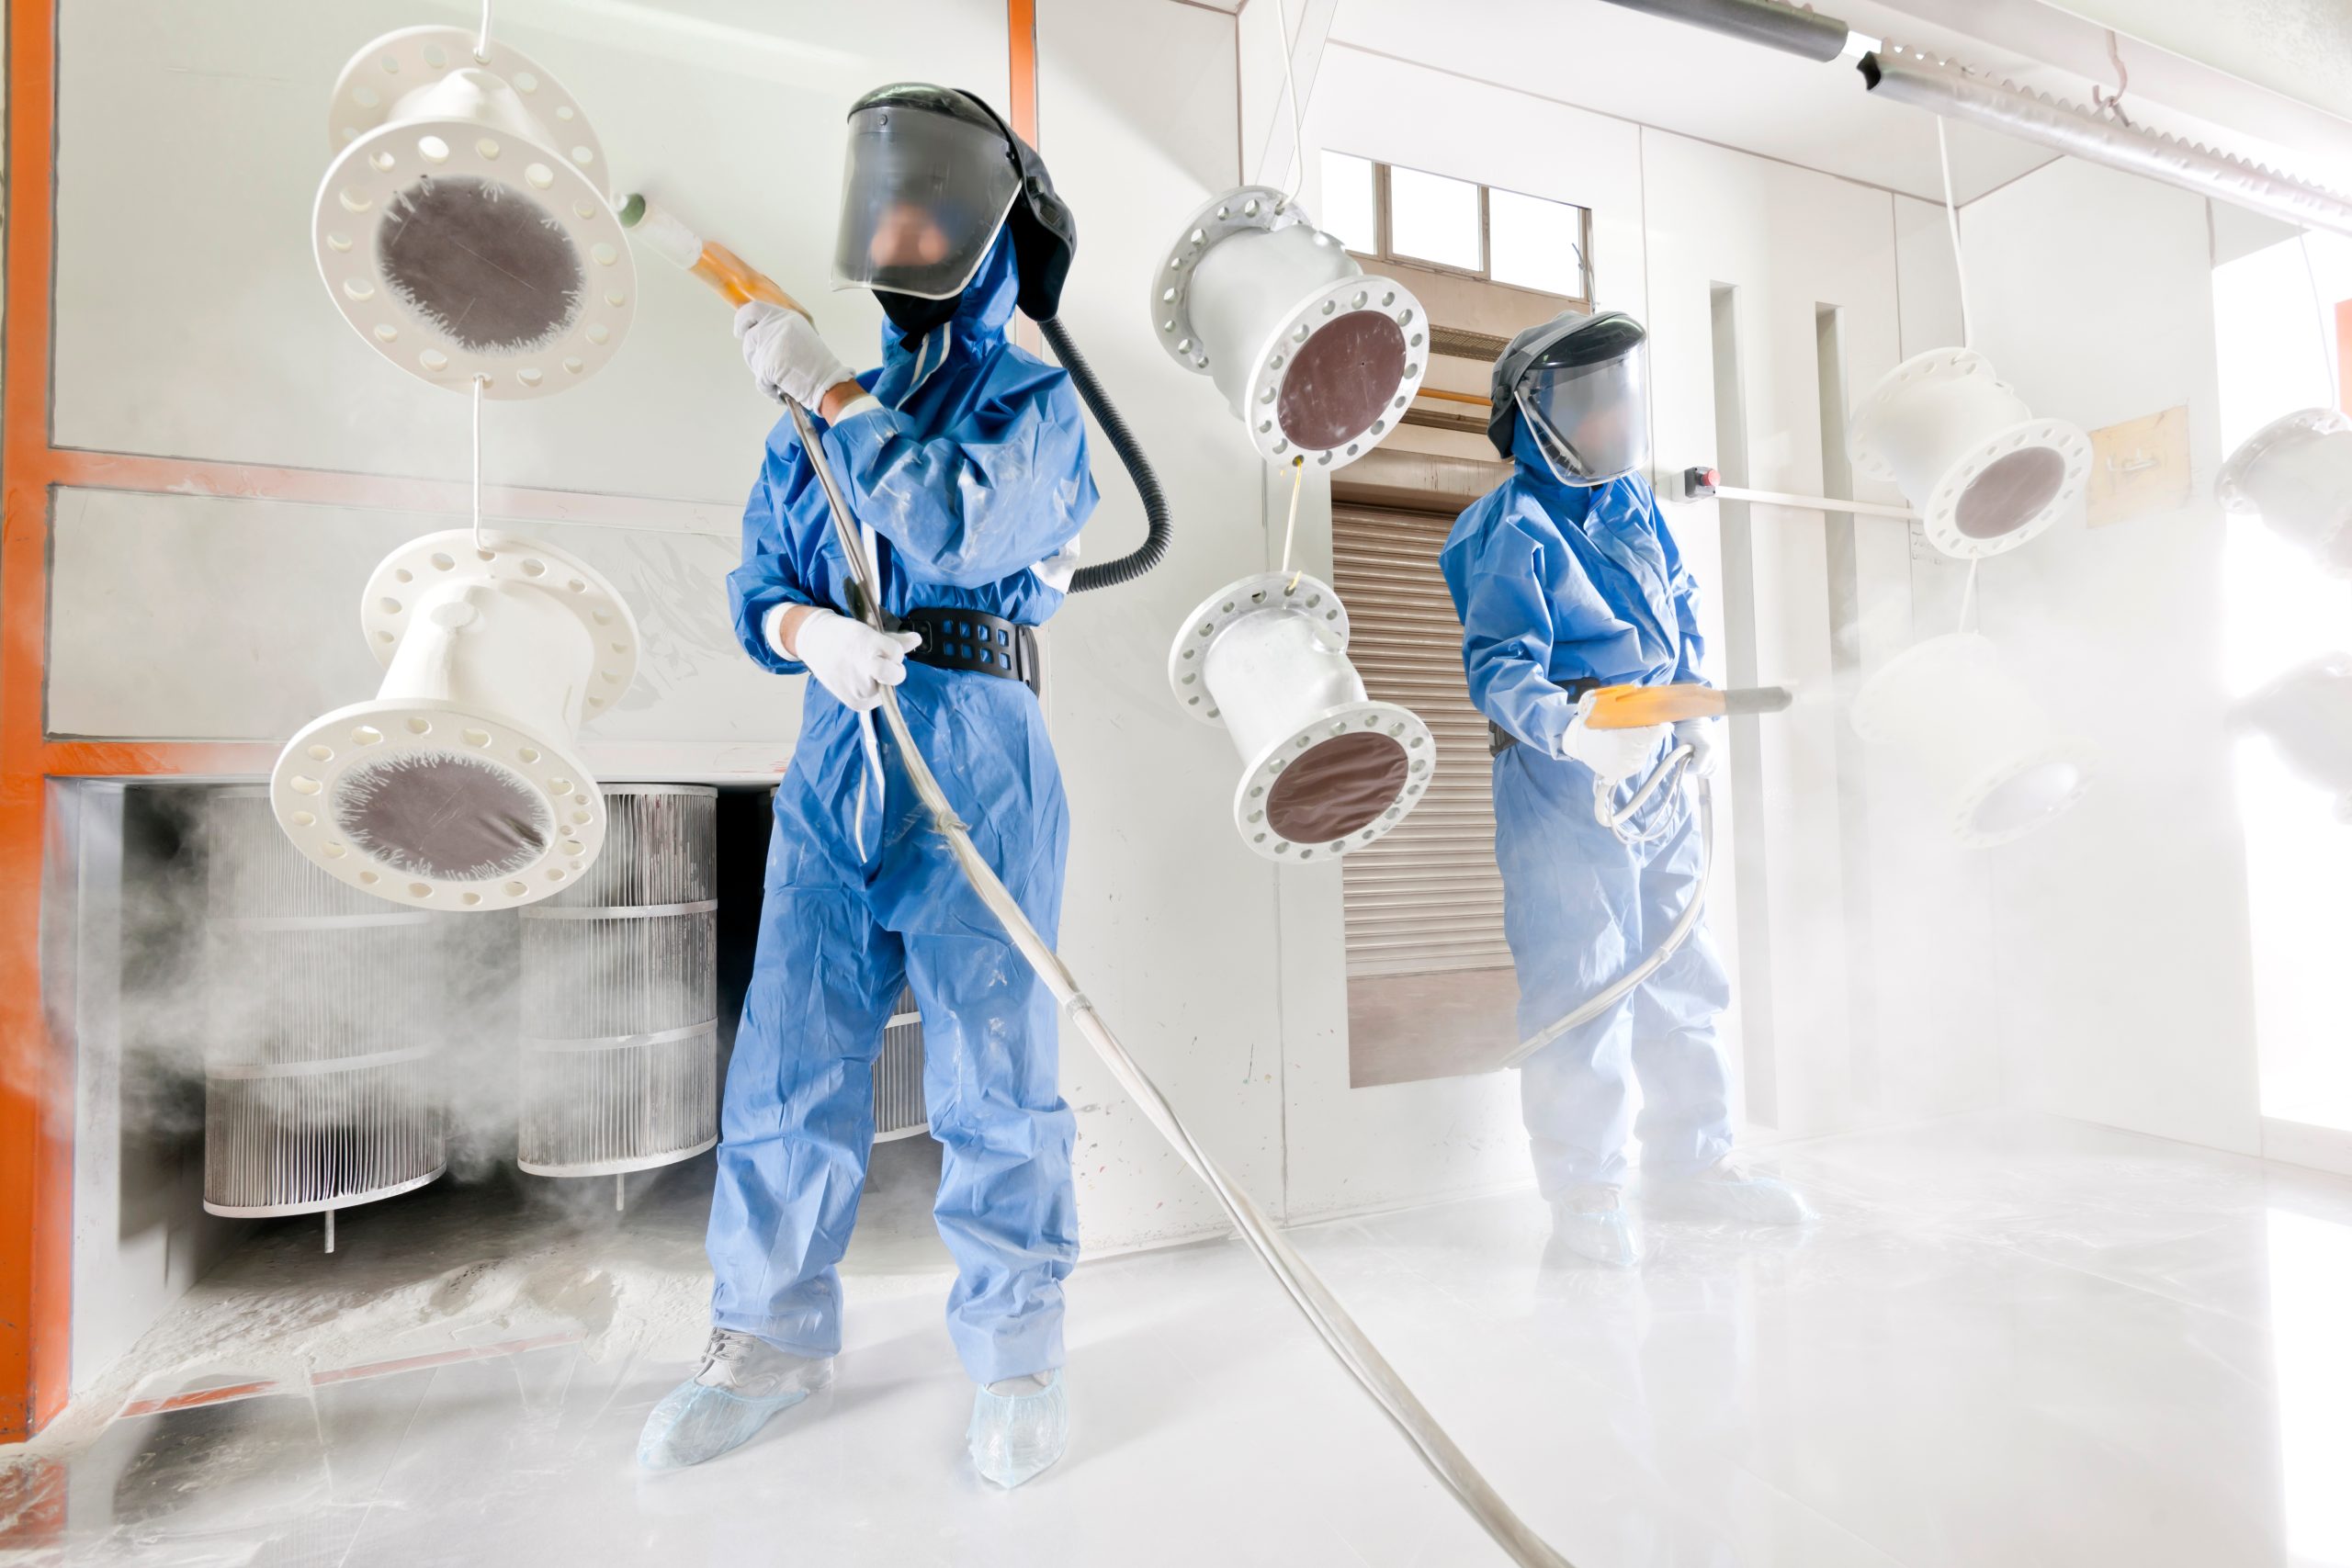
(1340, 379)
(2009, 493)
(482, 261)
(442, 815)
(1339, 788)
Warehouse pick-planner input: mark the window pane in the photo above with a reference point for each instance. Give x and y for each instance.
(1535, 242)
(1347, 202)
(1434, 219)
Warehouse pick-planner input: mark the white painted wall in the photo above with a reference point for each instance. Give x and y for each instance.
(2122, 929)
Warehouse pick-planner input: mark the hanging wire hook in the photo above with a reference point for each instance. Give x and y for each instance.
(1951, 217)
(1297, 473)
(2111, 104)
(480, 381)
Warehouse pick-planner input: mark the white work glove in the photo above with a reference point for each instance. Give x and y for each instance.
(1699, 734)
(1613, 755)
(786, 355)
(852, 660)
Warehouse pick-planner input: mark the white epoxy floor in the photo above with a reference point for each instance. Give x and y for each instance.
(2012, 1341)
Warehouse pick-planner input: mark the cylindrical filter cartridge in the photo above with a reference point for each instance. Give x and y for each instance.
(1974, 735)
(621, 995)
(324, 1014)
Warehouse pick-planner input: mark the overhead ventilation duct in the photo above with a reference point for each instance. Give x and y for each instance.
(1944, 88)
(620, 990)
(464, 229)
(1984, 475)
(1324, 769)
(458, 786)
(1973, 737)
(1804, 33)
(2295, 473)
(1317, 357)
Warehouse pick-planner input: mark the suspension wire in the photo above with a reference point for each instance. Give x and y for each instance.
(1951, 217)
(478, 382)
(482, 41)
(1297, 474)
(1968, 595)
(1296, 174)
(2331, 392)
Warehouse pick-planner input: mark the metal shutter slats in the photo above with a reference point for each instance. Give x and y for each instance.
(1427, 898)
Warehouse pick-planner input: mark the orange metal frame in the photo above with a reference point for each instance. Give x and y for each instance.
(36, 1077)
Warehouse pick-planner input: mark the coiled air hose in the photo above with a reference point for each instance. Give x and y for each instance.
(1145, 556)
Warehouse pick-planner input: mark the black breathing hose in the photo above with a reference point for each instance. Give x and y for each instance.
(1145, 556)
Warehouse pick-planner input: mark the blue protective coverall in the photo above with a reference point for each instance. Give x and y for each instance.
(1558, 582)
(972, 473)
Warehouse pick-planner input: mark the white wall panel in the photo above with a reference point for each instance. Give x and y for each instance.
(1167, 920)
(191, 321)
(1787, 240)
(196, 617)
(2124, 948)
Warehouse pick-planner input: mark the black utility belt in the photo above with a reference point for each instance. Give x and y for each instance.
(1499, 740)
(974, 640)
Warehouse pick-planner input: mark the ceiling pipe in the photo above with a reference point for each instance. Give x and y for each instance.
(1941, 87)
(1786, 28)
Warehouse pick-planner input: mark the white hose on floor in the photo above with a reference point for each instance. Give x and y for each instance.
(1309, 1294)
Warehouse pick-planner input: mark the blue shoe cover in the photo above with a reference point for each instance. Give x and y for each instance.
(1019, 1428)
(745, 1383)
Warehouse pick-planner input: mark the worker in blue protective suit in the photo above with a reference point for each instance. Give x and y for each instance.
(964, 459)
(1567, 579)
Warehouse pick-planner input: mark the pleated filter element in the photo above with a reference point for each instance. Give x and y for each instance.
(900, 1108)
(322, 1014)
(621, 995)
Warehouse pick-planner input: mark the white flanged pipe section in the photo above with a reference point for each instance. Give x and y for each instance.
(1318, 358)
(1325, 769)
(1984, 475)
(2307, 714)
(466, 226)
(1974, 736)
(2296, 474)
(458, 786)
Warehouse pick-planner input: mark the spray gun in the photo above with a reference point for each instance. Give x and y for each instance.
(731, 278)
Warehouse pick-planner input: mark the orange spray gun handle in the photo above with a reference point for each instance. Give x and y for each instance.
(1632, 707)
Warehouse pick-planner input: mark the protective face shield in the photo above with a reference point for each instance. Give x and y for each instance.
(1582, 383)
(932, 176)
